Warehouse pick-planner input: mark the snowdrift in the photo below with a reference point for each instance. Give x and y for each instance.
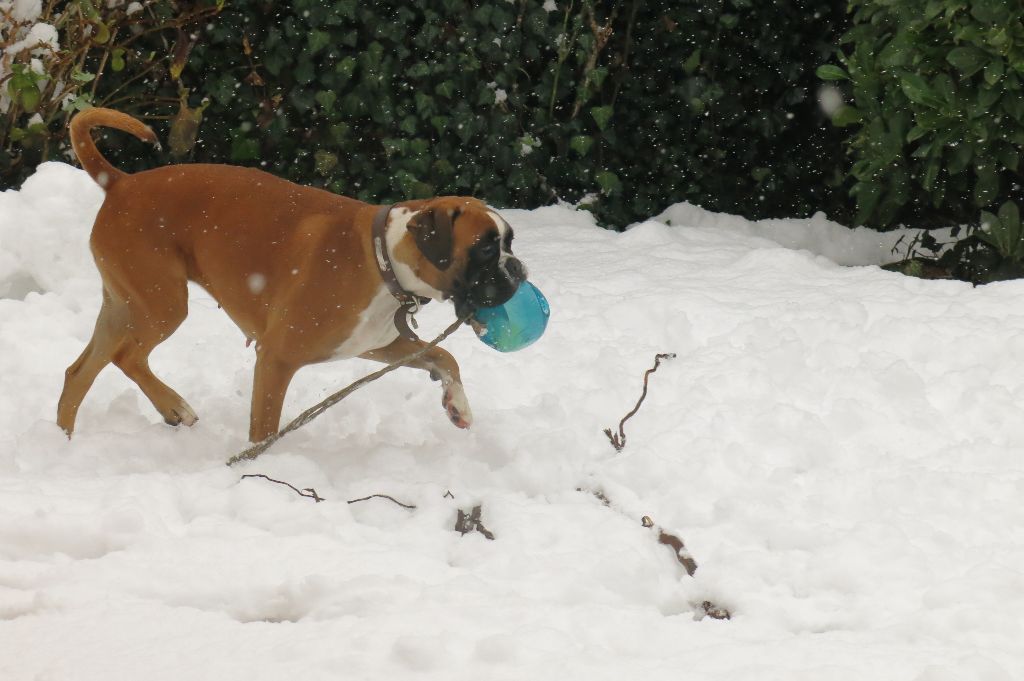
(839, 447)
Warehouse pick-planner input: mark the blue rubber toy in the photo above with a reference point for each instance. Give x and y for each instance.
(518, 323)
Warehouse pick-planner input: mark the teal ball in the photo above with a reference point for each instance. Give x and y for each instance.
(519, 322)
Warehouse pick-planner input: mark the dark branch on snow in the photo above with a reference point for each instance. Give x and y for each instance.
(468, 522)
(618, 440)
(310, 493)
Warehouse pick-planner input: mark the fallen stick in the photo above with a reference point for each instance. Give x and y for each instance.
(314, 411)
(317, 498)
(682, 555)
(301, 492)
(381, 496)
(618, 440)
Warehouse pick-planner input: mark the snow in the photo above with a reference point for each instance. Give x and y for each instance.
(839, 448)
(19, 34)
(40, 38)
(23, 10)
(817, 234)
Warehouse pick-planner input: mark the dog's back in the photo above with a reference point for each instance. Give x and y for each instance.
(184, 218)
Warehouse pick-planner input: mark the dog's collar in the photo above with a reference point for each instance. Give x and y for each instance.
(409, 304)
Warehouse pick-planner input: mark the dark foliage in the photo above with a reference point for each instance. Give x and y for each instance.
(625, 105)
(938, 116)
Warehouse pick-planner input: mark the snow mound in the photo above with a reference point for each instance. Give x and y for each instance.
(817, 234)
(838, 447)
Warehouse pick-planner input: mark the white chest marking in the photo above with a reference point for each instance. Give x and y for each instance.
(504, 254)
(375, 328)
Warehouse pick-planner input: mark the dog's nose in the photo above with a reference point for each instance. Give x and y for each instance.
(516, 269)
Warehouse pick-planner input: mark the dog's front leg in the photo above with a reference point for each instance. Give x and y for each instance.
(441, 365)
(270, 383)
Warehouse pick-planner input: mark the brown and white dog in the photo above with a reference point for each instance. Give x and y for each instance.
(295, 267)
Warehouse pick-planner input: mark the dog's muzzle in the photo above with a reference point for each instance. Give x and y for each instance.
(490, 286)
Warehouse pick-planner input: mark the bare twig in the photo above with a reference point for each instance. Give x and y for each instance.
(302, 493)
(381, 496)
(682, 556)
(311, 413)
(618, 440)
(103, 64)
(317, 498)
(624, 67)
(564, 48)
(602, 34)
(141, 74)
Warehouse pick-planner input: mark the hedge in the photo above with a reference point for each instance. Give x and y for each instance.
(626, 106)
(937, 119)
(57, 58)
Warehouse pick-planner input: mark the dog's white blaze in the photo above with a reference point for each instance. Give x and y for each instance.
(375, 329)
(500, 223)
(504, 254)
(397, 230)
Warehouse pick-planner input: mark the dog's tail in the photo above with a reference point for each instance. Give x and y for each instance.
(85, 149)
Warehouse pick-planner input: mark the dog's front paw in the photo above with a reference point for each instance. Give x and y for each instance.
(457, 406)
(181, 414)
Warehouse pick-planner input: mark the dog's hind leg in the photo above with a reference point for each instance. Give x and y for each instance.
(156, 308)
(107, 338)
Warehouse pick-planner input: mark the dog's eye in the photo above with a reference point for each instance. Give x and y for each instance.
(488, 246)
(487, 250)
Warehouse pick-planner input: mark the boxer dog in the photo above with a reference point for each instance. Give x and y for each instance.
(308, 275)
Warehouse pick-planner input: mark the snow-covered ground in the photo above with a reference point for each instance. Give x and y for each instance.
(841, 449)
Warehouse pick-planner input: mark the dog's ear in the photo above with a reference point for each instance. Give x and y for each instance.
(433, 229)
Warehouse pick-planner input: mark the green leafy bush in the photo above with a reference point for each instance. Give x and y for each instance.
(938, 108)
(627, 105)
(67, 56)
(1003, 232)
(729, 115)
(623, 105)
